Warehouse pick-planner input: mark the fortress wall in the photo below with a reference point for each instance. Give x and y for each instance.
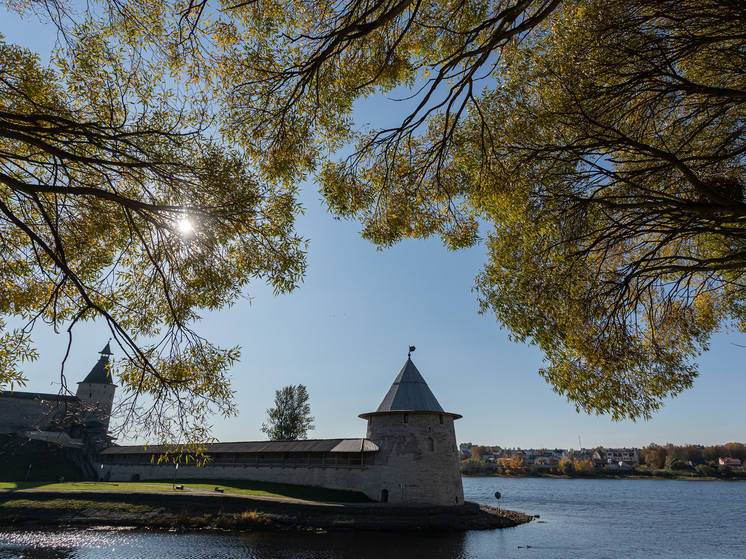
(417, 462)
(343, 478)
(20, 414)
(411, 468)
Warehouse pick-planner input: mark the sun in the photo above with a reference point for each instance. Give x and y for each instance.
(185, 226)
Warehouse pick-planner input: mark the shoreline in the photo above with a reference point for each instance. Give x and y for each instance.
(614, 477)
(204, 511)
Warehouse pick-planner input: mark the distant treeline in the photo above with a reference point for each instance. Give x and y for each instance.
(654, 460)
(661, 456)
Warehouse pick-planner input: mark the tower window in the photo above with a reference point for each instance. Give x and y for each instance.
(430, 444)
(406, 418)
(441, 419)
(90, 395)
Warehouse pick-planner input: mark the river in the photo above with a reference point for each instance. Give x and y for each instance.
(579, 518)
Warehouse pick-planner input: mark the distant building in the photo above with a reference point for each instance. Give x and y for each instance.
(732, 462)
(545, 461)
(582, 455)
(628, 456)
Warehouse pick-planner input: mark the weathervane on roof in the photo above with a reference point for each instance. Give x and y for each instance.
(411, 349)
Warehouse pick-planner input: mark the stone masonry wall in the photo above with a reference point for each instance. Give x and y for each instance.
(347, 479)
(18, 415)
(409, 466)
(98, 400)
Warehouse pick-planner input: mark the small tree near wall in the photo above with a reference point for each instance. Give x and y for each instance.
(291, 418)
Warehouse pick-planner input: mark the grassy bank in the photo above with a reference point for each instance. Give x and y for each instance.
(25, 508)
(156, 513)
(253, 488)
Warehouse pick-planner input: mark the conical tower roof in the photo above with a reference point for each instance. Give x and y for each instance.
(100, 373)
(409, 392)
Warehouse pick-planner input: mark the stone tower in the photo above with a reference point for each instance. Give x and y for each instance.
(96, 393)
(417, 461)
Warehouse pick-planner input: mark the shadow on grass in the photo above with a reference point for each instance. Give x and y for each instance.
(266, 489)
(234, 487)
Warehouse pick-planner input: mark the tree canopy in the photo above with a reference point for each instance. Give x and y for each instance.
(119, 202)
(291, 418)
(599, 142)
(477, 452)
(603, 146)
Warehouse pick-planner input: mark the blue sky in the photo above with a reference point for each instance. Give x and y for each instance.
(344, 334)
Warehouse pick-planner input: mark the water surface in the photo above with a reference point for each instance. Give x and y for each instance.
(579, 518)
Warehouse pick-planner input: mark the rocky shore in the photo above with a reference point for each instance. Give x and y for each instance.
(205, 511)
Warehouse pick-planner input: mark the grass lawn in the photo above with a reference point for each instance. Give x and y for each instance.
(257, 488)
(84, 485)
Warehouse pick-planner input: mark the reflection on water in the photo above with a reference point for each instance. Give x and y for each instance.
(115, 544)
(603, 519)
